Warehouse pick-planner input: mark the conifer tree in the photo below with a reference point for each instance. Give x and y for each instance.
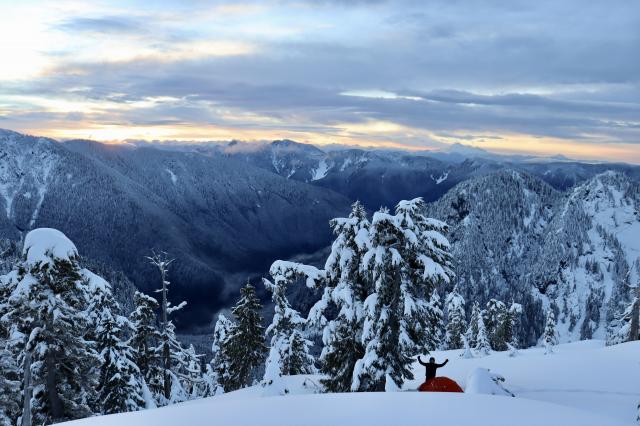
(220, 362)
(467, 353)
(549, 337)
(436, 323)
(245, 345)
(456, 320)
(9, 388)
(289, 351)
(495, 312)
(120, 386)
(47, 307)
(483, 346)
(407, 259)
(505, 331)
(169, 349)
(145, 338)
(472, 331)
(347, 286)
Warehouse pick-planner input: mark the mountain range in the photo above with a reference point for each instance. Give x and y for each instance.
(523, 229)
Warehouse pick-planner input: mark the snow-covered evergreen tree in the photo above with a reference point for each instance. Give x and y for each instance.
(245, 345)
(550, 338)
(472, 331)
(46, 316)
(407, 259)
(347, 286)
(436, 322)
(220, 373)
(120, 386)
(169, 349)
(504, 333)
(467, 353)
(289, 351)
(9, 388)
(483, 345)
(456, 320)
(145, 338)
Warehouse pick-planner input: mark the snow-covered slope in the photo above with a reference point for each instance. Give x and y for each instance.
(223, 220)
(516, 238)
(581, 384)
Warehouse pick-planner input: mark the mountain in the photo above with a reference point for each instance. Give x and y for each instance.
(552, 233)
(222, 220)
(515, 237)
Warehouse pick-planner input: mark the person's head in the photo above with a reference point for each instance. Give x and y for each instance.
(432, 360)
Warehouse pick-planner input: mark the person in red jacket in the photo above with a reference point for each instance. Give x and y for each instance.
(431, 367)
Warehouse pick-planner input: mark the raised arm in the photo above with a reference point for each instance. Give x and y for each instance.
(420, 361)
(443, 364)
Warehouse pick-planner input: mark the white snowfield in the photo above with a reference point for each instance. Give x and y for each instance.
(582, 383)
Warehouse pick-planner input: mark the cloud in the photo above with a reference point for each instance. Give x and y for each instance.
(412, 73)
(112, 24)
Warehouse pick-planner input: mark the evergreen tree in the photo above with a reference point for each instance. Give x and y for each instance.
(191, 374)
(472, 331)
(347, 286)
(169, 349)
(145, 338)
(120, 387)
(221, 362)
(289, 351)
(47, 307)
(456, 323)
(407, 259)
(504, 334)
(467, 349)
(483, 346)
(495, 315)
(436, 323)
(9, 388)
(245, 345)
(549, 338)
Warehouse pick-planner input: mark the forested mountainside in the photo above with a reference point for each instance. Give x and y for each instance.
(383, 177)
(519, 229)
(516, 238)
(221, 220)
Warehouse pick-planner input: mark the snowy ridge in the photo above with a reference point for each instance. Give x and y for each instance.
(550, 390)
(516, 238)
(26, 167)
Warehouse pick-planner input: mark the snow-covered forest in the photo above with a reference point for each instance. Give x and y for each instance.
(388, 293)
(502, 266)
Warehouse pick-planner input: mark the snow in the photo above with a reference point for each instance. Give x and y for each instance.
(438, 180)
(43, 245)
(583, 383)
(172, 175)
(321, 171)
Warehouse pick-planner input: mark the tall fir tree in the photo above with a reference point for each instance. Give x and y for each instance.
(145, 338)
(47, 307)
(549, 337)
(120, 386)
(245, 345)
(472, 331)
(483, 345)
(493, 314)
(221, 362)
(505, 334)
(169, 349)
(436, 322)
(289, 352)
(346, 288)
(408, 257)
(456, 320)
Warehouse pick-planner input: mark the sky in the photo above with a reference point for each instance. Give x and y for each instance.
(515, 77)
